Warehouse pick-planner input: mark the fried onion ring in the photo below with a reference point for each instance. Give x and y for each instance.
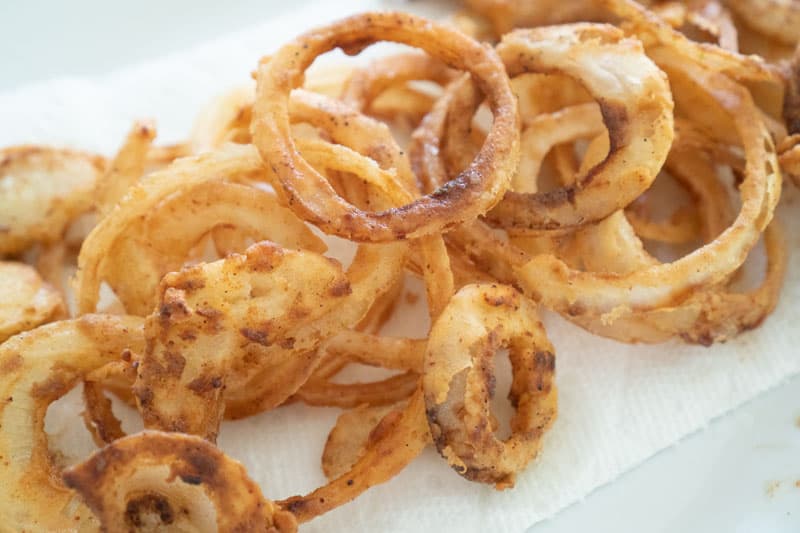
(351, 436)
(25, 300)
(43, 190)
(176, 481)
(37, 368)
(566, 290)
(779, 19)
(266, 308)
(459, 380)
(127, 167)
(636, 106)
(311, 196)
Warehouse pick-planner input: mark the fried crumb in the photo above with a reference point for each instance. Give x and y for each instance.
(772, 488)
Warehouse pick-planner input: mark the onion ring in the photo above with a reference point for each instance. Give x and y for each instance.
(127, 167)
(645, 289)
(470, 194)
(161, 476)
(351, 436)
(43, 190)
(458, 382)
(25, 300)
(653, 32)
(636, 106)
(37, 368)
(154, 246)
(779, 19)
(267, 308)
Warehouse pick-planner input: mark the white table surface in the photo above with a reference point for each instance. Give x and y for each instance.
(741, 474)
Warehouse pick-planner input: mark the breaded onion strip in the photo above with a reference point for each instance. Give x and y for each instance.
(367, 84)
(682, 227)
(42, 190)
(459, 380)
(779, 19)
(98, 415)
(352, 434)
(636, 105)
(127, 167)
(387, 352)
(706, 17)
(373, 350)
(36, 369)
(506, 15)
(269, 307)
(154, 479)
(350, 395)
(25, 300)
(311, 196)
(559, 287)
(402, 437)
(545, 132)
(222, 119)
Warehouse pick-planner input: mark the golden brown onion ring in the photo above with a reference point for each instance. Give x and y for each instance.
(36, 369)
(707, 316)
(25, 300)
(367, 83)
(350, 395)
(98, 415)
(779, 19)
(269, 307)
(43, 190)
(155, 245)
(653, 31)
(311, 196)
(127, 167)
(402, 437)
(459, 381)
(352, 434)
(143, 198)
(566, 290)
(636, 106)
(506, 15)
(154, 479)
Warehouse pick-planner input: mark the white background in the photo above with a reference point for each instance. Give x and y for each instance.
(742, 473)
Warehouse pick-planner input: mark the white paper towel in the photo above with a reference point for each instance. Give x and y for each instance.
(619, 404)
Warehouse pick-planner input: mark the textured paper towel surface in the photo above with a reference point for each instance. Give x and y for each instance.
(619, 404)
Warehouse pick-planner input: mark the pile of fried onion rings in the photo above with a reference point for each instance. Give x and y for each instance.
(612, 161)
